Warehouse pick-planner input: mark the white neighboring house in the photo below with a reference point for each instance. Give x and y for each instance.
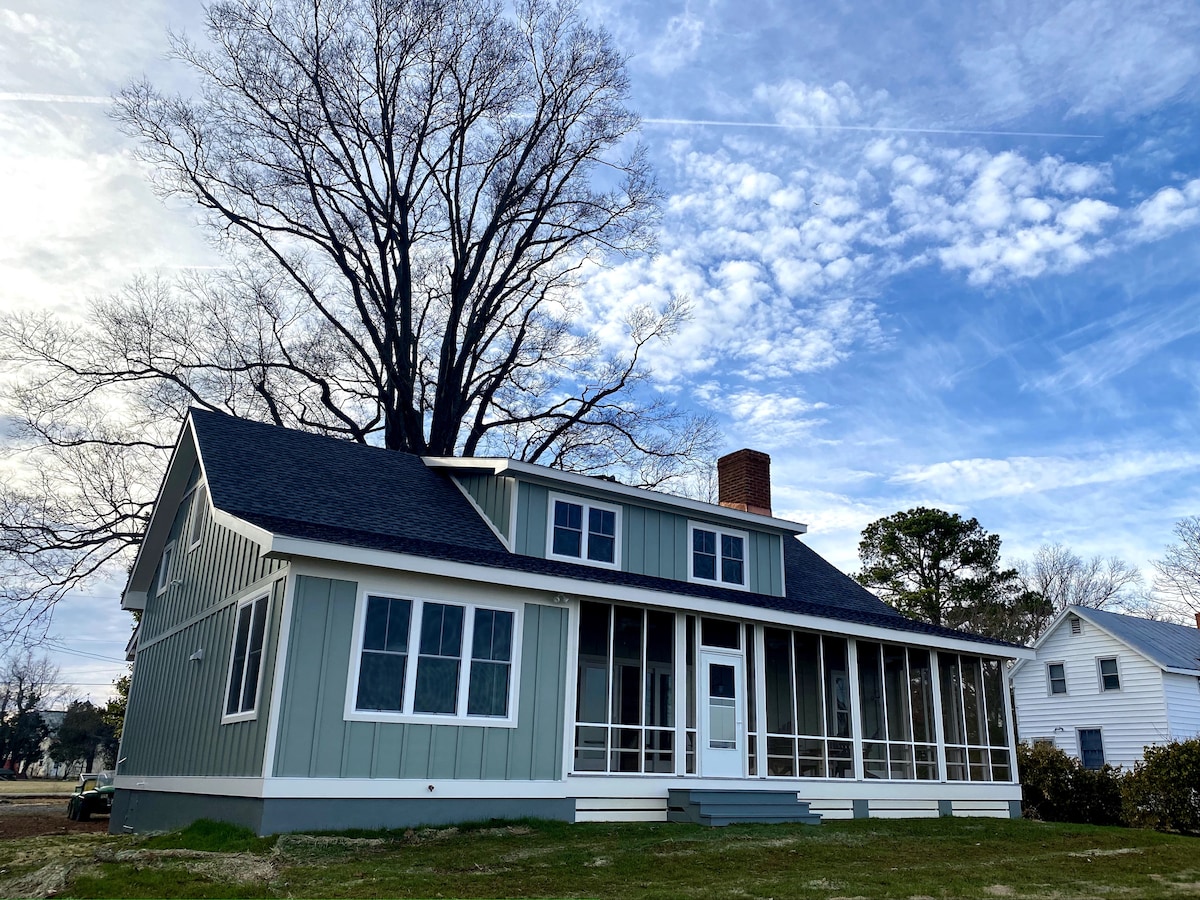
(1102, 686)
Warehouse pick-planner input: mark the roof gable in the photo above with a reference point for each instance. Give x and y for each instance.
(1167, 644)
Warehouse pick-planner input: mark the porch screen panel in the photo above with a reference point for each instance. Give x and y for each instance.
(896, 687)
(625, 707)
(974, 718)
(808, 705)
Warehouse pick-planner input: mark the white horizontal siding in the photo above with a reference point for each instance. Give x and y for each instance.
(1183, 705)
(1128, 719)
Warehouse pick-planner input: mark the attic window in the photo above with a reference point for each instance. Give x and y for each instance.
(196, 517)
(717, 556)
(1076, 625)
(583, 531)
(164, 568)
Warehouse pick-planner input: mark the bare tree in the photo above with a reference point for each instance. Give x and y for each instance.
(409, 194)
(1177, 572)
(1065, 579)
(27, 683)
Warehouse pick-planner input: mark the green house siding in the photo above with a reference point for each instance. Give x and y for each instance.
(653, 542)
(173, 725)
(223, 564)
(315, 740)
(494, 497)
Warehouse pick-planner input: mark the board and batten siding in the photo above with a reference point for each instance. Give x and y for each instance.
(173, 724)
(1183, 705)
(493, 494)
(654, 542)
(221, 565)
(1128, 719)
(315, 740)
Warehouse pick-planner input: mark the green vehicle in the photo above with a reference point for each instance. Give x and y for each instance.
(93, 795)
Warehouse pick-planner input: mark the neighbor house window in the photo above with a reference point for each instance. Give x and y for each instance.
(974, 718)
(164, 568)
(1056, 674)
(1091, 748)
(807, 700)
(431, 659)
(625, 692)
(717, 556)
(584, 531)
(245, 663)
(1110, 678)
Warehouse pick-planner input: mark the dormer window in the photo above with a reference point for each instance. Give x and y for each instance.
(717, 556)
(584, 531)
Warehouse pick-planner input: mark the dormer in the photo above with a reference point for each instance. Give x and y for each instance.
(554, 515)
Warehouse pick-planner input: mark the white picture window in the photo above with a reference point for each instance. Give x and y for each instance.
(164, 568)
(717, 556)
(584, 531)
(245, 662)
(429, 660)
(1110, 677)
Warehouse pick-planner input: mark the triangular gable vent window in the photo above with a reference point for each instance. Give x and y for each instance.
(1076, 625)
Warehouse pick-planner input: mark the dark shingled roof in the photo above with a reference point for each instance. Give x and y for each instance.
(1165, 643)
(307, 486)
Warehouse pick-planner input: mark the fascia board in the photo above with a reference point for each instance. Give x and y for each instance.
(297, 547)
(170, 493)
(545, 475)
(1177, 671)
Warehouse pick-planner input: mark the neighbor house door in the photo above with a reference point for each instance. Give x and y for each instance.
(722, 715)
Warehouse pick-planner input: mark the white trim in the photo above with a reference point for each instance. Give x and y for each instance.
(586, 504)
(230, 786)
(351, 712)
(198, 492)
(246, 715)
(266, 583)
(719, 532)
(642, 496)
(260, 536)
(284, 547)
(571, 710)
(484, 516)
(274, 723)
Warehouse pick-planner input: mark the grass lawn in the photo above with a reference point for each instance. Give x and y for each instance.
(36, 786)
(867, 858)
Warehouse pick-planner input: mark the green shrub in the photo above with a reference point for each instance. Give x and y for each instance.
(1056, 787)
(1163, 791)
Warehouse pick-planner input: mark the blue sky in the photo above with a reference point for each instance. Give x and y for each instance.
(938, 253)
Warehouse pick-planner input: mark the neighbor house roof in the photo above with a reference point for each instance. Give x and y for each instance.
(317, 488)
(1164, 643)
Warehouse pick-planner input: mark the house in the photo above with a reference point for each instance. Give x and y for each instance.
(335, 635)
(1103, 686)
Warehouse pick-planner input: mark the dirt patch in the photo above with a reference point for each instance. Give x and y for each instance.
(33, 818)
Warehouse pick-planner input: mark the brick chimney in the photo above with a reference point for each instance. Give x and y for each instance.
(1198, 620)
(744, 481)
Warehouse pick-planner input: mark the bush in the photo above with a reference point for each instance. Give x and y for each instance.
(1163, 791)
(1056, 787)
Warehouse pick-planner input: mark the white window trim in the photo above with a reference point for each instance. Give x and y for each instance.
(720, 532)
(1100, 675)
(587, 504)
(165, 565)
(199, 491)
(1050, 681)
(351, 712)
(249, 714)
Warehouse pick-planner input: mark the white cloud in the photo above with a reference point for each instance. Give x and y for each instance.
(1169, 210)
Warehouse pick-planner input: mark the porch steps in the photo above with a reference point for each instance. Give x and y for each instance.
(714, 807)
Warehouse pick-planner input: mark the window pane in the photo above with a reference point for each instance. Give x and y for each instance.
(602, 530)
(837, 688)
(660, 668)
(602, 549)
(952, 716)
(568, 515)
(732, 560)
(238, 663)
(896, 693)
(441, 630)
(870, 688)
(199, 508)
(381, 681)
(488, 691)
(375, 626)
(627, 666)
(1108, 674)
(592, 688)
(777, 659)
(492, 639)
(704, 554)
(972, 699)
(719, 633)
(995, 698)
(568, 529)
(254, 655)
(591, 749)
(437, 685)
(809, 716)
(920, 677)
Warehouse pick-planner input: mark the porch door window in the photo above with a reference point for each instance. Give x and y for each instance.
(1091, 748)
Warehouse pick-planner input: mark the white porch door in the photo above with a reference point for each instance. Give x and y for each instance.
(722, 715)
